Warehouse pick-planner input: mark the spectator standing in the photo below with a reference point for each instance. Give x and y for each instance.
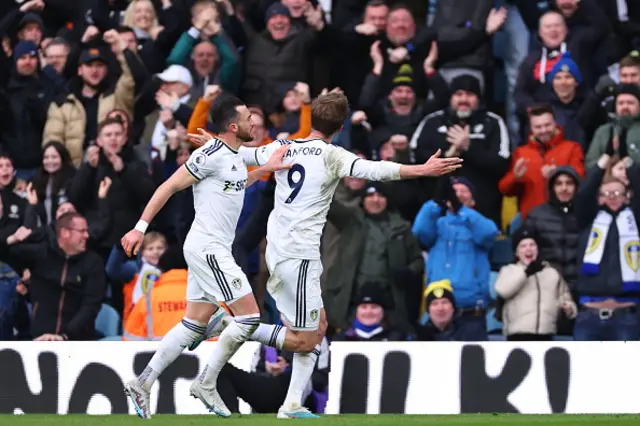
(369, 323)
(443, 324)
(608, 282)
(378, 249)
(532, 164)
(459, 239)
(622, 135)
(468, 130)
(24, 99)
(73, 118)
(51, 180)
(533, 293)
(67, 281)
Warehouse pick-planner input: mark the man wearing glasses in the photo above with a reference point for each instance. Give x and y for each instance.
(67, 282)
(608, 282)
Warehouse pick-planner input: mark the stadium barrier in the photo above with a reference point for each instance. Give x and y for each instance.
(372, 378)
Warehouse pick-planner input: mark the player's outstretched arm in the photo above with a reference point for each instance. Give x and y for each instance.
(180, 180)
(435, 166)
(273, 165)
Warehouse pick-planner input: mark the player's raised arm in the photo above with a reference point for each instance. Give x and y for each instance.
(348, 164)
(181, 179)
(273, 165)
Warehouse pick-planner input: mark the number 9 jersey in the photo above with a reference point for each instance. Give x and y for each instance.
(305, 191)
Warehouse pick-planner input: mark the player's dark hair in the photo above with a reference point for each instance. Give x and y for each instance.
(224, 112)
(328, 113)
(65, 221)
(540, 109)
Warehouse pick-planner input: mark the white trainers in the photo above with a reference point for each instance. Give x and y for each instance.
(139, 397)
(296, 412)
(217, 324)
(210, 398)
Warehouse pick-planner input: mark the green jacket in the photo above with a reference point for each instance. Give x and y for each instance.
(230, 72)
(604, 134)
(402, 251)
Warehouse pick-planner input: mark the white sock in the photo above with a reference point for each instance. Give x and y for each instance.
(301, 371)
(173, 344)
(236, 333)
(270, 335)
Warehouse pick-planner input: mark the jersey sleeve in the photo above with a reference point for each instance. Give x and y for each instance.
(259, 156)
(343, 163)
(202, 163)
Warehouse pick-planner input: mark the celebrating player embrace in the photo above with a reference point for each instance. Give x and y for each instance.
(303, 196)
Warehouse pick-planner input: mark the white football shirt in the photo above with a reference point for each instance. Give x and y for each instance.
(218, 196)
(305, 191)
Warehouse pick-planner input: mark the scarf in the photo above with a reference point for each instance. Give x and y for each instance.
(628, 243)
(145, 280)
(367, 331)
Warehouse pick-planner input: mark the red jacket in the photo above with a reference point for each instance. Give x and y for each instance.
(532, 189)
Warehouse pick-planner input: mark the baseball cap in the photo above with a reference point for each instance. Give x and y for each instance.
(176, 74)
(90, 55)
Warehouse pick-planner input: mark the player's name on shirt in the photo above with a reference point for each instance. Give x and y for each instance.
(303, 150)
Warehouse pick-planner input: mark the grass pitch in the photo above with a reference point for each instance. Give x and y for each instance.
(343, 420)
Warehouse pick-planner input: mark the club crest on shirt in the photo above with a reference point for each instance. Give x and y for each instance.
(236, 283)
(314, 315)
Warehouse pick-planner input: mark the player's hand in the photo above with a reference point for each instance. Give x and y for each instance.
(436, 166)
(200, 138)
(275, 161)
(131, 242)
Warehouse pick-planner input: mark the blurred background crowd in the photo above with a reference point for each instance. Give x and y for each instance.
(535, 238)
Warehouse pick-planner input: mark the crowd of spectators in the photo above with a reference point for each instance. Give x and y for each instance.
(534, 238)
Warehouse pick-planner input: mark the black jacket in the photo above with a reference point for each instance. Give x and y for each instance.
(556, 231)
(66, 292)
(24, 103)
(609, 280)
(458, 20)
(130, 190)
(486, 161)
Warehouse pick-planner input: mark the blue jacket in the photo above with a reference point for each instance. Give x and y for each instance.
(459, 248)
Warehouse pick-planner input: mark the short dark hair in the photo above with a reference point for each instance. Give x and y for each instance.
(65, 221)
(125, 29)
(401, 6)
(109, 121)
(540, 109)
(631, 60)
(328, 113)
(376, 3)
(224, 112)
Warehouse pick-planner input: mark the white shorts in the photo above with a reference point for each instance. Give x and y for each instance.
(294, 284)
(214, 278)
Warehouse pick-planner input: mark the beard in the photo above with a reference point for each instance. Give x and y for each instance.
(244, 136)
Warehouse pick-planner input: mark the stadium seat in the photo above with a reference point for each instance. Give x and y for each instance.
(497, 338)
(107, 322)
(501, 254)
(516, 222)
(563, 338)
